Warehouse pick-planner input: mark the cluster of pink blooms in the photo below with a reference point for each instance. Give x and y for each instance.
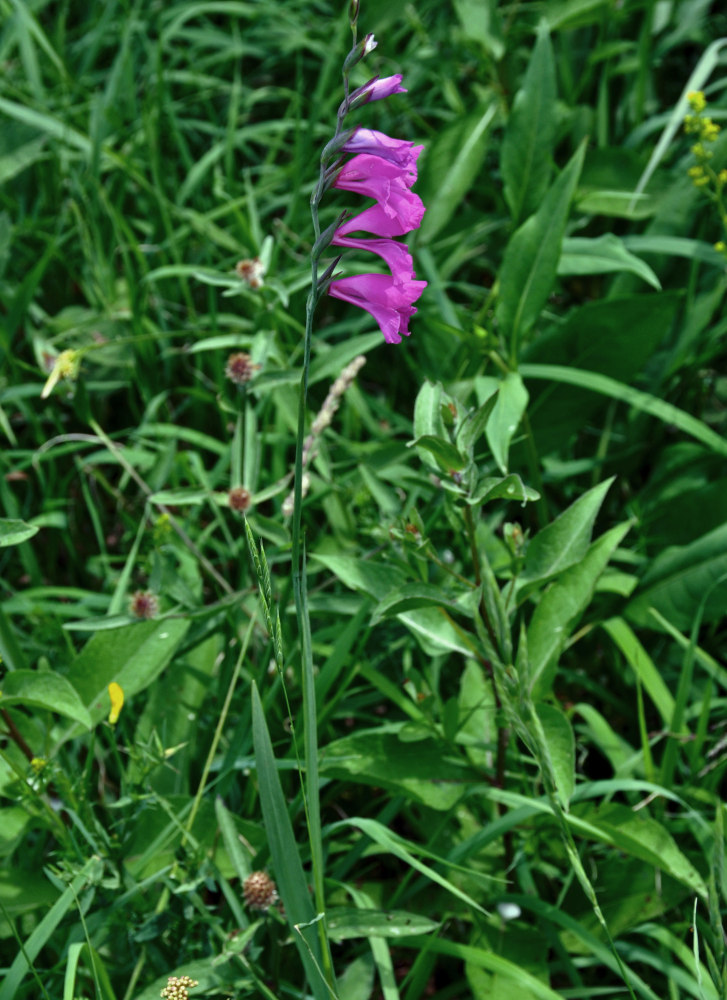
(384, 169)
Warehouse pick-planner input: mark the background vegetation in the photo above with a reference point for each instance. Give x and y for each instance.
(516, 524)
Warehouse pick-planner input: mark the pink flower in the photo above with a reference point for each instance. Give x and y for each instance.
(378, 88)
(399, 151)
(385, 221)
(389, 301)
(395, 254)
(364, 168)
(398, 211)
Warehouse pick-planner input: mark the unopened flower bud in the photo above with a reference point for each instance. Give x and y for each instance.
(358, 52)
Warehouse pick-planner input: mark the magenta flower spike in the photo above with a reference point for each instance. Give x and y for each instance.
(389, 302)
(384, 169)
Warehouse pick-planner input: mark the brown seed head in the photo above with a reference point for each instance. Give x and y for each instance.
(251, 271)
(240, 368)
(144, 604)
(240, 499)
(259, 891)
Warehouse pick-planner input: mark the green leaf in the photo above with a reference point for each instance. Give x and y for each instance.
(375, 579)
(602, 255)
(564, 541)
(132, 656)
(560, 747)
(501, 488)
(289, 876)
(678, 580)
(473, 425)
(510, 404)
(345, 923)
(643, 837)
(67, 900)
(652, 405)
(531, 259)
(448, 458)
(527, 147)
(13, 532)
(561, 606)
(386, 757)
(46, 690)
(447, 177)
(428, 411)
(403, 849)
(418, 595)
(643, 666)
(481, 22)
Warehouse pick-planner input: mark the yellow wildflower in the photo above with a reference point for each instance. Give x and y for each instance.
(116, 694)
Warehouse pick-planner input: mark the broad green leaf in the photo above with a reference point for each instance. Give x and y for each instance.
(643, 837)
(674, 246)
(453, 163)
(346, 922)
(561, 606)
(420, 595)
(561, 749)
(436, 632)
(618, 204)
(679, 579)
(356, 982)
(284, 850)
(652, 405)
(448, 458)
(531, 259)
(527, 147)
(132, 656)
(374, 579)
(385, 757)
(501, 488)
(643, 666)
(509, 405)
(46, 690)
(602, 255)
(564, 541)
(428, 411)
(473, 425)
(13, 532)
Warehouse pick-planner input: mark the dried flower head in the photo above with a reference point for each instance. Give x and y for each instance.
(144, 604)
(178, 987)
(240, 499)
(259, 891)
(240, 368)
(251, 271)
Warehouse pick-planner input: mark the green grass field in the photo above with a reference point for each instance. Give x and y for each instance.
(458, 686)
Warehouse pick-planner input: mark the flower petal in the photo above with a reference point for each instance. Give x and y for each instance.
(398, 151)
(395, 254)
(389, 302)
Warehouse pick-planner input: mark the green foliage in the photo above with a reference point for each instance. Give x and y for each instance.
(494, 765)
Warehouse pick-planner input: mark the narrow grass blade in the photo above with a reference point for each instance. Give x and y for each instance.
(289, 874)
